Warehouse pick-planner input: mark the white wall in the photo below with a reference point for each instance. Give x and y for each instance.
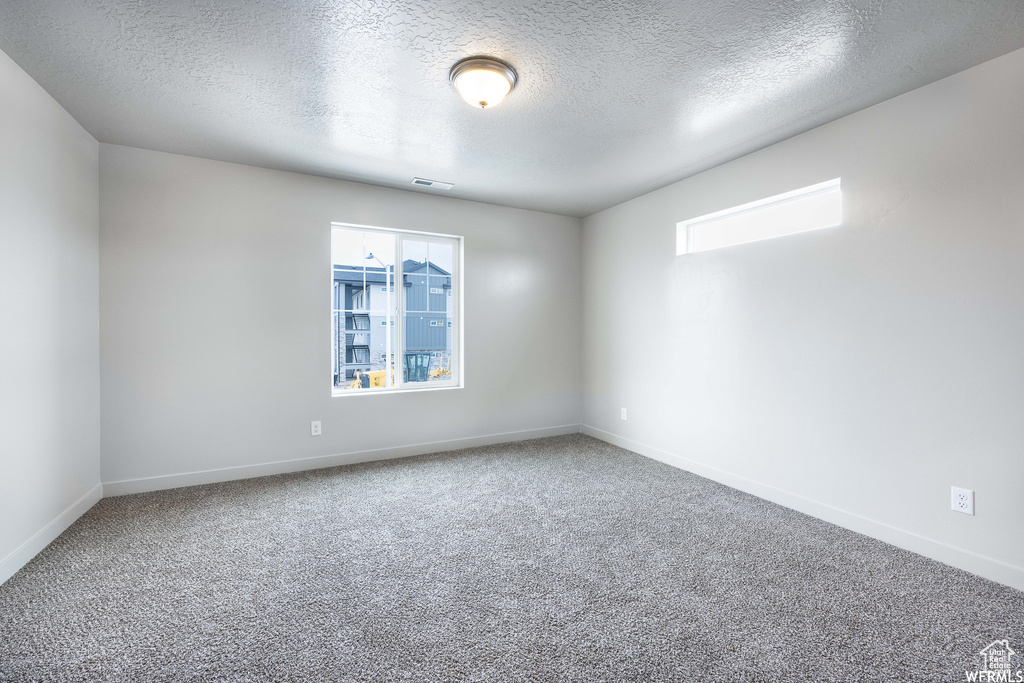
(49, 337)
(854, 373)
(215, 322)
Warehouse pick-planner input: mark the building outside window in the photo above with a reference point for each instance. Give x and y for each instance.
(387, 337)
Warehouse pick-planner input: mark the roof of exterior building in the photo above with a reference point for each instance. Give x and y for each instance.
(377, 274)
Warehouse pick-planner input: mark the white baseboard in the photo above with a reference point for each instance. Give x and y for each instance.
(987, 567)
(173, 481)
(20, 556)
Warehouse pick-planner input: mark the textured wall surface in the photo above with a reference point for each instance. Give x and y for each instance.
(215, 317)
(855, 372)
(49, 317)
(616, 98)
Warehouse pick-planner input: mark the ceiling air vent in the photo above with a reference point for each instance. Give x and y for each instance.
(436, 184)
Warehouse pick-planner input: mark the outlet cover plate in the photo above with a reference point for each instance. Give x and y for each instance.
(961, 500)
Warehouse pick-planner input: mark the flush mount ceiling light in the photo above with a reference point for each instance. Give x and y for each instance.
(483, 81)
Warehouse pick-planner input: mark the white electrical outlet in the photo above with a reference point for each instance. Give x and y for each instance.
(314, 428)
(623, 413)
(961, 500)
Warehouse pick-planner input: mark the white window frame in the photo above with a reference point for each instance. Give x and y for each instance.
(685, 229)
(457, 379)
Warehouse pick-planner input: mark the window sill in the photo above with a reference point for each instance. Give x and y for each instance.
(335, 393)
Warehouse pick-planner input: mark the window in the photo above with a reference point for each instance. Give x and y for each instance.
(809, 208)
(407, 334)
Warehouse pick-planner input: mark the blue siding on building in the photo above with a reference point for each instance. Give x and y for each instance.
(416, 292)
(421, 307)
(439, 288)
(420, 335)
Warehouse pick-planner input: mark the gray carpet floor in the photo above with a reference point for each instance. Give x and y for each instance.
(547, 560)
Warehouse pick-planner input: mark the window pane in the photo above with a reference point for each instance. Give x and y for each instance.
(416, 292)
(437, 298)
(809, 208)
(441, 257)
(353, 248)
(427, 352)
(364, 303)
(364, 265)
(366, 344)
(428, 335)
(414, 253)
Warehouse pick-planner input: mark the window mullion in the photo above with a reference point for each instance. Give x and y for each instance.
(456, 308)
(398, 309)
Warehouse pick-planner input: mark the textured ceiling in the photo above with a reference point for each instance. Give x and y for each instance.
(614, 99)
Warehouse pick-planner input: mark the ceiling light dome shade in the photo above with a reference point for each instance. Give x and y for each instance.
(482, 81)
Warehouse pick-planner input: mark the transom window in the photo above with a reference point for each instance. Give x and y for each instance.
(809, 208)
(395, 323)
